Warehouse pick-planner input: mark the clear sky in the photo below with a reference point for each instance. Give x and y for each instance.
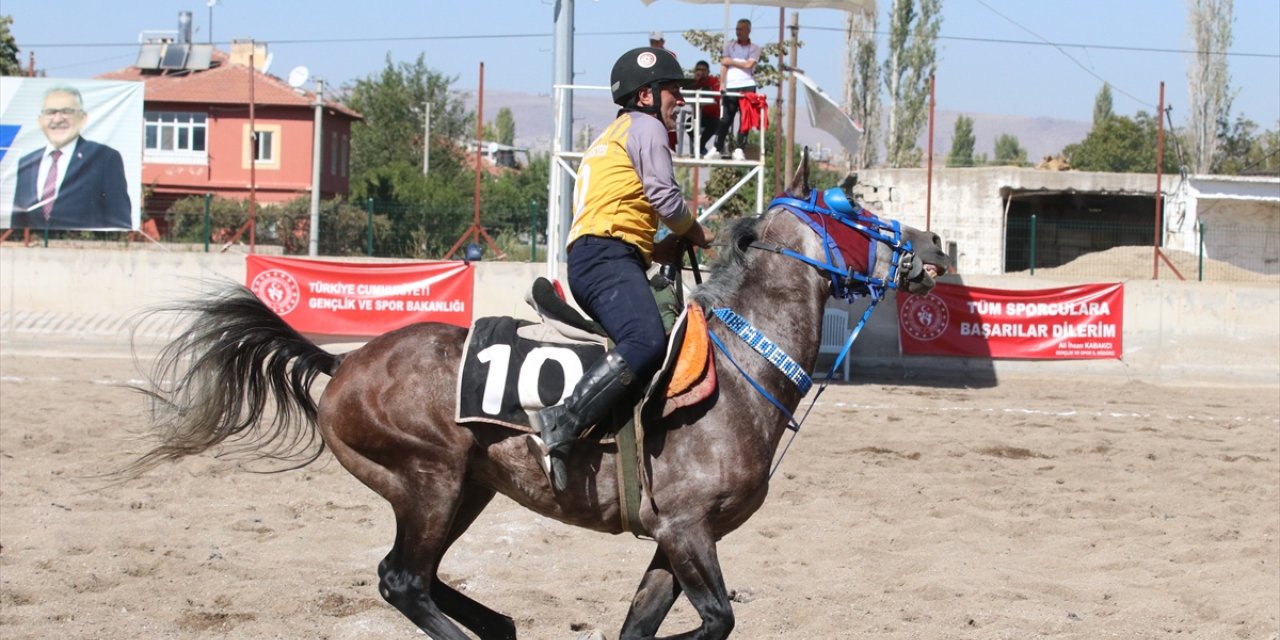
(992, 53)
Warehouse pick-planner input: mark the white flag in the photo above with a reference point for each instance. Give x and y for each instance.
(825, 114)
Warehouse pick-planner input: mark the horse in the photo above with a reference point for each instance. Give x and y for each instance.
(238, 375)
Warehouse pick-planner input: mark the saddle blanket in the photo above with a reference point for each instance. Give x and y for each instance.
(511, 368)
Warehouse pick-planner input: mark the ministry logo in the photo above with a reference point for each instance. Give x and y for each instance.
(924, 317)
(277, 289)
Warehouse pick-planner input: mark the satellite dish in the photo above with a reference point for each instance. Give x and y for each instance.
(298, 76)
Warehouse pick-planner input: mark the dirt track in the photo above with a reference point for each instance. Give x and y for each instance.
(1037, 508)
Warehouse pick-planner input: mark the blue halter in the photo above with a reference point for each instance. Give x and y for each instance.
(845, 282)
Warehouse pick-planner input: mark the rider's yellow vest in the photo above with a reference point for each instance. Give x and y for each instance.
(609, 199)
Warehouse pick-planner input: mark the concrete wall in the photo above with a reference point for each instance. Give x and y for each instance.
(968, 208)
(1172, 330)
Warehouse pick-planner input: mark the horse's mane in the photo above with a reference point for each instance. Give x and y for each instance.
(728, 270)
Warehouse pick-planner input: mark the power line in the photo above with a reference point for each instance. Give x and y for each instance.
(503, 36)
(1064, 52)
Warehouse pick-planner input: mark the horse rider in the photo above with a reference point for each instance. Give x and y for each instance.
(625, 186)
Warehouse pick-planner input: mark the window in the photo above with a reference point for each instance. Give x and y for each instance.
(333, 153)
(176, 137)
(346, 151)
(263, 150)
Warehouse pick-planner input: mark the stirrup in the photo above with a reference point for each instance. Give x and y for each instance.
(551, 459)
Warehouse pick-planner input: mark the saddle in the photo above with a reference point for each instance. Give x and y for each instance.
(512, 368)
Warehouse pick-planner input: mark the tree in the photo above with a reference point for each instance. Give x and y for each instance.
(1102, 105)
(9, 65)
(1120, 144)
(862, 97)
(912, 60)
(392, 104)
(962, 144)
(504, 125)
(1209, 24)
(1245, 151)
(1009, 152)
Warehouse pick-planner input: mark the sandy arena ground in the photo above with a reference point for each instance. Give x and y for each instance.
(1052, 507)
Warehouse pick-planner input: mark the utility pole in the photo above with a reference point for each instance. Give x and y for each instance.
(426, 137)
(317, 159)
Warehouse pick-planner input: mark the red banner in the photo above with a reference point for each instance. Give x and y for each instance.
(1069, 323)
(362, 299)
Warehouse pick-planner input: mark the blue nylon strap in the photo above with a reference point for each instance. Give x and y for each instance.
(791, 419)
(765, 347)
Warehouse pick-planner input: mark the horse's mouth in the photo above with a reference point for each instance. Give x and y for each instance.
(924, 282)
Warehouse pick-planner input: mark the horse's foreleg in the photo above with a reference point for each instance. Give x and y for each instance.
(653, 600)
(692, 557)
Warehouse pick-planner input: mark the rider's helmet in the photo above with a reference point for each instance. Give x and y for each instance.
(644, 67)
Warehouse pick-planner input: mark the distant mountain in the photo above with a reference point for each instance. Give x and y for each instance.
(535, 125)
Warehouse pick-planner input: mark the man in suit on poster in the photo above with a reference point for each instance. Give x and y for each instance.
(70, 183)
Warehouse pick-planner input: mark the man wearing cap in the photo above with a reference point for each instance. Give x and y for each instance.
(625, 186)
(658, 41)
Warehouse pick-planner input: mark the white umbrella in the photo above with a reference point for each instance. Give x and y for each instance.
(868, 6)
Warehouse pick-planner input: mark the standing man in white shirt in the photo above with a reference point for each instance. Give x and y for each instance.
(739, 67)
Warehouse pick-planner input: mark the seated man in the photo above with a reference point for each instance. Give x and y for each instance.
(710, 110)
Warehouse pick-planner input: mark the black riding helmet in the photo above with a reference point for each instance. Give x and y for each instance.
(645, 67)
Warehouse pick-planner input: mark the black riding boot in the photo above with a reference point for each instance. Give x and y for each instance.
(596, 393)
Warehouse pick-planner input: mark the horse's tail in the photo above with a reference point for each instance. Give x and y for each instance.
(211, 384)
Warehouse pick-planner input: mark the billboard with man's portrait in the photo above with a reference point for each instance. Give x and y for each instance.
(70, 154)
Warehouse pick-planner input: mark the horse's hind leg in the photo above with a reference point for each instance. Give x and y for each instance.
(481, 620)
(426, 525)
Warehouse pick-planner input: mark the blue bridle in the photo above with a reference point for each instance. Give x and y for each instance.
(818, 211)
(845, 282)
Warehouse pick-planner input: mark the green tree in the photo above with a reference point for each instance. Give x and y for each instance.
(962, 142)
(1244, 150)
(1009, 153)
(504, 125)
(9, 65)
(393, 105)
(1102, 105)
(913, 34)
(1122, 145)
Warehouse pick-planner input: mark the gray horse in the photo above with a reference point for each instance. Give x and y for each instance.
(387, 414)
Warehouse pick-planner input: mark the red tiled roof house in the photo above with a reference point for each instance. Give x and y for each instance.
(197, 135)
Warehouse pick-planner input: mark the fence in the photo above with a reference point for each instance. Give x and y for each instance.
(1059, 249)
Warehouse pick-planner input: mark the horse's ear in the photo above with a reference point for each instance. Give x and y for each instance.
(800, 181)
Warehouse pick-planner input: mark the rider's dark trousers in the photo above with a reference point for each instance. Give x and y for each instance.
(607, 279)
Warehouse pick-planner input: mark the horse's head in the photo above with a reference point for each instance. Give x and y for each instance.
(872, 253)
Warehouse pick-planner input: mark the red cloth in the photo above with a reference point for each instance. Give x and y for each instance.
(753, 112)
